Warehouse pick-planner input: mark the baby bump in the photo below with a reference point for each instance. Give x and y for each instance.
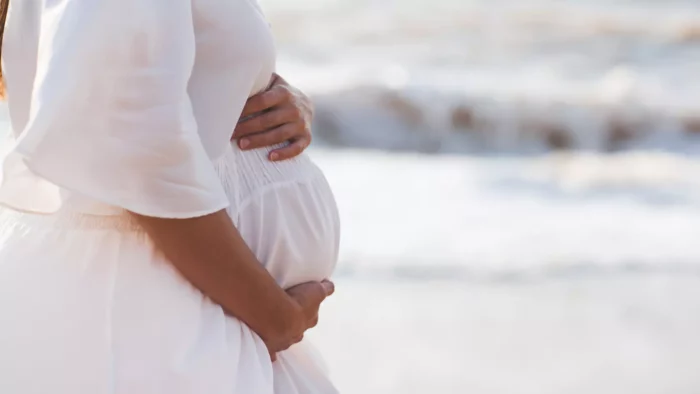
(293, 228)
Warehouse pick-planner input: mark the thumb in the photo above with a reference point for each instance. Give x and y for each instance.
(277, 80)
(311, 293)
(328, 287)
(316, 292)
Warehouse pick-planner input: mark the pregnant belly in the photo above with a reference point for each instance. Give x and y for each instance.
(285, 211)
(293, 229)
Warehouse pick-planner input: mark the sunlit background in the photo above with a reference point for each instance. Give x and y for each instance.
(520, 191)
(519, 185)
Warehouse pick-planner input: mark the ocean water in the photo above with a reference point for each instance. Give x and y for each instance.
(563, 273)
(518, 184)
(509, 75)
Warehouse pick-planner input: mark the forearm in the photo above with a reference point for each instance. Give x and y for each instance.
(211, 254)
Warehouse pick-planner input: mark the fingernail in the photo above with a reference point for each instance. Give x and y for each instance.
(274, 156)
(328, 287)
(243, 143)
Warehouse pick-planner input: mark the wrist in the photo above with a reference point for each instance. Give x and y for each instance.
(289, 322)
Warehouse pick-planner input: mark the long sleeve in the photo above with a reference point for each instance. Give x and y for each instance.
(110, 119)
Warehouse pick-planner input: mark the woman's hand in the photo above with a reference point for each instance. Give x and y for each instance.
(280, 114)
(309, 297)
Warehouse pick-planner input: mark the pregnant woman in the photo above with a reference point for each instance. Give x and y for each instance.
(140, 251)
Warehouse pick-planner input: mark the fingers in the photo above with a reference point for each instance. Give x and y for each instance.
(310, 294)
(313, 322)
(266, 121)
(292, 150)
(315, 293)
(278, 80)
(281, 114)
(328, 286)
(277, 135)
(273, 351)
(272, 97)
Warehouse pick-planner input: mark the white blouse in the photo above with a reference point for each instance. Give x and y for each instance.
(125, 104)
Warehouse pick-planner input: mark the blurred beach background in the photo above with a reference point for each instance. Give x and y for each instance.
(519, 183)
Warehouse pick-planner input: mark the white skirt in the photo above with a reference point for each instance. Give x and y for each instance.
(88, 306)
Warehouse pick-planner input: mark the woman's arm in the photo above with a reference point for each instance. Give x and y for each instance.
(210, 253)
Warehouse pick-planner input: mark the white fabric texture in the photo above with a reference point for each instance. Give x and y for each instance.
(106, 107)
(122, 105)
(88, 306)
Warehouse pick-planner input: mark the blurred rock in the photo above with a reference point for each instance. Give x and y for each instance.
(407, 111)
(692, 125)
(689, 33)
(619, 132)
(390, 120)
(557, 137)
(463, 118)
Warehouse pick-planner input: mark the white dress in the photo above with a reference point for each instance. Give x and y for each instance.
(128, 105)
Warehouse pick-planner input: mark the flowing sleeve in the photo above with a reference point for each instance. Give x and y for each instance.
(110, 116)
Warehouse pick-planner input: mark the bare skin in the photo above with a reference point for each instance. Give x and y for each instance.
(280, 114)
(211, 254)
